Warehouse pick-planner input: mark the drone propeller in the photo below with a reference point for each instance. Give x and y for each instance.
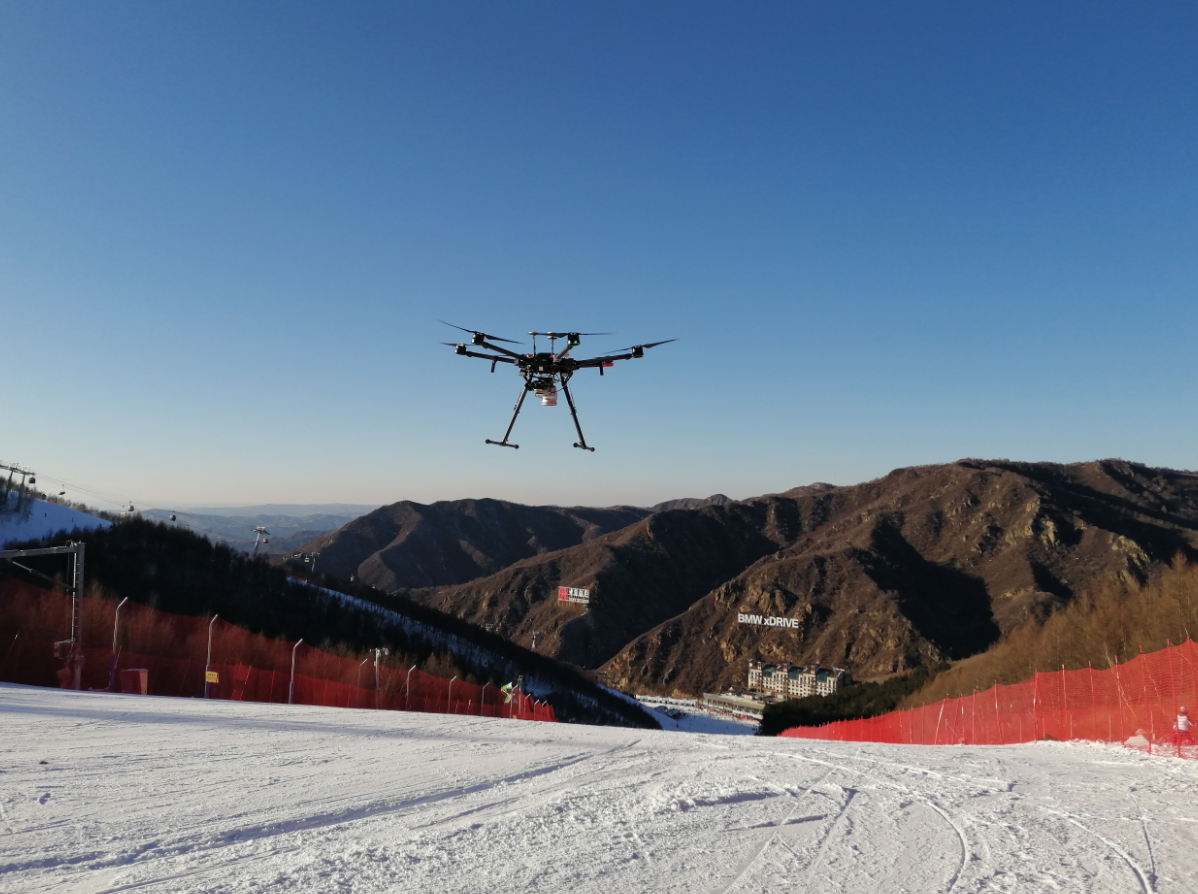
(564, 334)
(478, 334)
(652, 344)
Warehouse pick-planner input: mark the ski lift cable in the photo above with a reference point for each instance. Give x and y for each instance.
(97, 493)
(115, 499)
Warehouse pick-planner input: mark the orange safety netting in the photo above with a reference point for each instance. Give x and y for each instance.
(174, 650)
(1135, 703)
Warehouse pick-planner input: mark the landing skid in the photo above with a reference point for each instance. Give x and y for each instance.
(581, 443)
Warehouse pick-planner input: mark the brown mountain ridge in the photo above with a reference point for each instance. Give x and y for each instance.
(924, 564)
(411, 544)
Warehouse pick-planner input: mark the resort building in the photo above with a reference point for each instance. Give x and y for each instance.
(796, 680)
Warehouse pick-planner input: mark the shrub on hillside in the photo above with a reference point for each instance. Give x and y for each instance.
(1111, 623)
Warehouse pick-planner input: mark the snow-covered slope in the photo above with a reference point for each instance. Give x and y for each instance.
(106, 793)
(39, 518)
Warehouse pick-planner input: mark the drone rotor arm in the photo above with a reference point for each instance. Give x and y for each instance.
(600, 362)
(491, 347)
(490, 357)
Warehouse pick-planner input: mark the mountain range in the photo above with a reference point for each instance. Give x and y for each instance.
(925, 564)
(289, 526)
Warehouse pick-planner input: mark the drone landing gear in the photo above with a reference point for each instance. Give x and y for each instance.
(582, 441)
(582, 445)
(507, 434)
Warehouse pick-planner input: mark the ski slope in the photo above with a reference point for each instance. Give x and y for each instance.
(108, 793)
(40, 518)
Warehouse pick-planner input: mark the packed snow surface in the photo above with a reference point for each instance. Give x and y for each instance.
(107, 793)
(39, 518)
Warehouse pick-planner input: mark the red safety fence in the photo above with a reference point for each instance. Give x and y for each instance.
(243, 666)
(1134, 703)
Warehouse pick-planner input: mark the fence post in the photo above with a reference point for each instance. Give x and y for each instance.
(116, 624)
(358, 684)
(449, 695)
(207, 662)
(407, 694)
(1119, 700)
(1035, 705)
(482, 699)
(291, 686)
(973, 717)
(377, 653)
(1065, 702)
(997, 721)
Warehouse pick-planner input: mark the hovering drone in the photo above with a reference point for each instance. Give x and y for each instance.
(545, 373)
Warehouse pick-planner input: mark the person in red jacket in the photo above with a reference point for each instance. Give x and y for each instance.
(1183, 729)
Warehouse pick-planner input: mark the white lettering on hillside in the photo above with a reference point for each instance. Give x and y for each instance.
(766, 620)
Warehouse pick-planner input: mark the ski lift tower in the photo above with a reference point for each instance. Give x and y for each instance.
(308, 558)
(12, 470)
(70, 649)
(259, 533)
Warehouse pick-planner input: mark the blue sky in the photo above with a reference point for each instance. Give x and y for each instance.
(886, 235)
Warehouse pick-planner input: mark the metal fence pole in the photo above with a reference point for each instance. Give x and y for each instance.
(291, 686)
(208, 661)
(116, 624)
(77, 619)
(377, 685)
(358, 684)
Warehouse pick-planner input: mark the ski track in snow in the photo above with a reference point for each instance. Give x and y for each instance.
(182, 795)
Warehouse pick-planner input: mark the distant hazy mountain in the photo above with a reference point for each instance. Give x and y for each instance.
(299, 510)
(288, 532)
(692, 503)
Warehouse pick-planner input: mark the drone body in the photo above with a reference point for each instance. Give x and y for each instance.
(544, 373)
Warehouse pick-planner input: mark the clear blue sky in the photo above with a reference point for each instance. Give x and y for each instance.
(886, 235)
